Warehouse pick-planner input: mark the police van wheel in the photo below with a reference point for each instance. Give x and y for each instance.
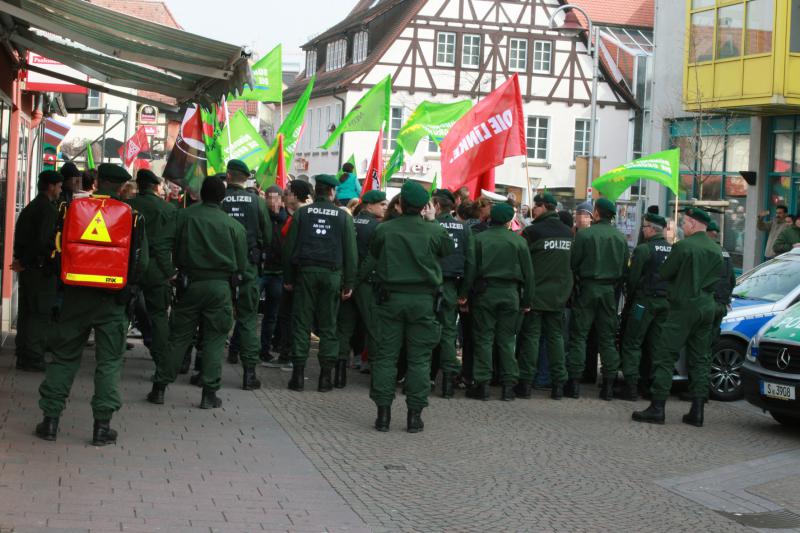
(727, 358)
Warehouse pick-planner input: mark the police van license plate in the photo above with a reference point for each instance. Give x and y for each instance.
(777, 391)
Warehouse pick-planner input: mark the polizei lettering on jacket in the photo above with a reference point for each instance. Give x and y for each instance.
(557, 244)
(484, 131)
(662, 248)
(322, 211)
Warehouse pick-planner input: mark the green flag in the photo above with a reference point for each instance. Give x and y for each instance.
(395, 163)
(240, 140)
(369, 114)
(430, 120)
(212, 130)
(434, 185)
(662, 168)
(291, 129)
(268, 78)
(89, 157)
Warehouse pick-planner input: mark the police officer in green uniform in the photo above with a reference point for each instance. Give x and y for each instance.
(502, 291)
(550, 244)
(723, 290)
(455, 268)
(320, 268)
(692, 270)
(247, 208)
(85, 309)
(407, 250)
(33, 245)
(599, 257)
(211, 256)
(358, 309)
(647, 296)
(156, 291)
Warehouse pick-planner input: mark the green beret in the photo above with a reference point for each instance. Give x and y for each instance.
(699, 215)
(712, 226)
(373, 197)
(327, 179)
(545, 198)
(414, 194)
(605, 207)
(238, 166)
(69, 170)
(148, 177)
(656, 219)
(113, 173)
(444, 193)
(502, 213)
(50, 177)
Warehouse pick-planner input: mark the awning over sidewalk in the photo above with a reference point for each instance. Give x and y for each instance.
(122, 50)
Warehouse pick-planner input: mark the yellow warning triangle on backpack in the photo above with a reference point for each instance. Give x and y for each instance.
(96, 230)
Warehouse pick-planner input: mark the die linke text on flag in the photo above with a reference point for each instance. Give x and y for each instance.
(489, 133)
(131, 148)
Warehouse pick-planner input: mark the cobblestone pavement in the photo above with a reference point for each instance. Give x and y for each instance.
(278, 460)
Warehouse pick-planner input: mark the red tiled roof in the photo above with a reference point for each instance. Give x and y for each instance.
(152, 10)
(635, 13)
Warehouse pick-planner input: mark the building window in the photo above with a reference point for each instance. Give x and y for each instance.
(518, 55)
(582, 138)
(760, 21)
(311, 63)
(794, 36)
(321, 138)
(542, 56)
(701, 37)
(92, 102)
(433, 147)
(471, 51)
(537, 137)
(730, 23)
(336, 54)
(312, 132)
(360, 42)
(395, 123)
(446, 49)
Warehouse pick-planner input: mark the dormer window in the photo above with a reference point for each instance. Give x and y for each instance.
(360, 45)
(311, 63)
(336, 54)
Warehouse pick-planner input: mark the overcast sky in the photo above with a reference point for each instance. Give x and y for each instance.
(261, 24)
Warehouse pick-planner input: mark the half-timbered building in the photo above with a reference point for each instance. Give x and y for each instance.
(447, 50)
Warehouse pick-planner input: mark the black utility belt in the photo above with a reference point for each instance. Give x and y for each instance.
(320, 264)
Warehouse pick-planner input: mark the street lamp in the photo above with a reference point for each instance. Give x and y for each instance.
(572, 29)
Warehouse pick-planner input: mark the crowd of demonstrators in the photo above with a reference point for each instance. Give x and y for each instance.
(482, 290)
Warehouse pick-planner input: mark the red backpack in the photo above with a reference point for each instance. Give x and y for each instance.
(96, 242)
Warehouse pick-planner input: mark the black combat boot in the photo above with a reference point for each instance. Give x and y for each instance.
(607, 389)
(156, 395)
(196, 379)
(414, 422)
(695, 415)
(629, 392)
(572, 388)
(48, 429)
(523, 390)
(478, 391)
(557, 391)
(448, 386)
(186, 364)
(103, 434)
(507, 394)
(653, 414)
(340, 377)
(249, 379)
(233, 356)
(384, 419)
(324, 384)
(298, 380)
(209, 399)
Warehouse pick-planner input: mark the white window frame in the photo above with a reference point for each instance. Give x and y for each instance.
(311, 63)
(586, 140)
(441, 56)
(514, 58)
(474, 48)
(336, 54)
(390, 135)
(360, 46)
(94, 100)
(539, 57)
(533, 144)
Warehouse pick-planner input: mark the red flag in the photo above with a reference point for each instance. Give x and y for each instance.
(282, 177)
(138, 143)
(375, 171)
(187, 160)
(490, 132)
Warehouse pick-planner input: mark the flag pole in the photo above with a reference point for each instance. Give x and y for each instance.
(227, 124)
(528, 178)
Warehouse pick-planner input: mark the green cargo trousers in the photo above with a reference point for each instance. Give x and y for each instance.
(404, 319)
(247, 317)
(720, 310)
(37, 294)
(204, 303)
(84, 310)
(688, 324)
(357, 310)
(642, 331)
(448, 359)
(496, 320)
(365, 301)
(317, 293)
(596, 304)
(157, 299)
(535, 323)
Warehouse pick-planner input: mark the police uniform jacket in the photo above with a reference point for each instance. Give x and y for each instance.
(550, 244)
